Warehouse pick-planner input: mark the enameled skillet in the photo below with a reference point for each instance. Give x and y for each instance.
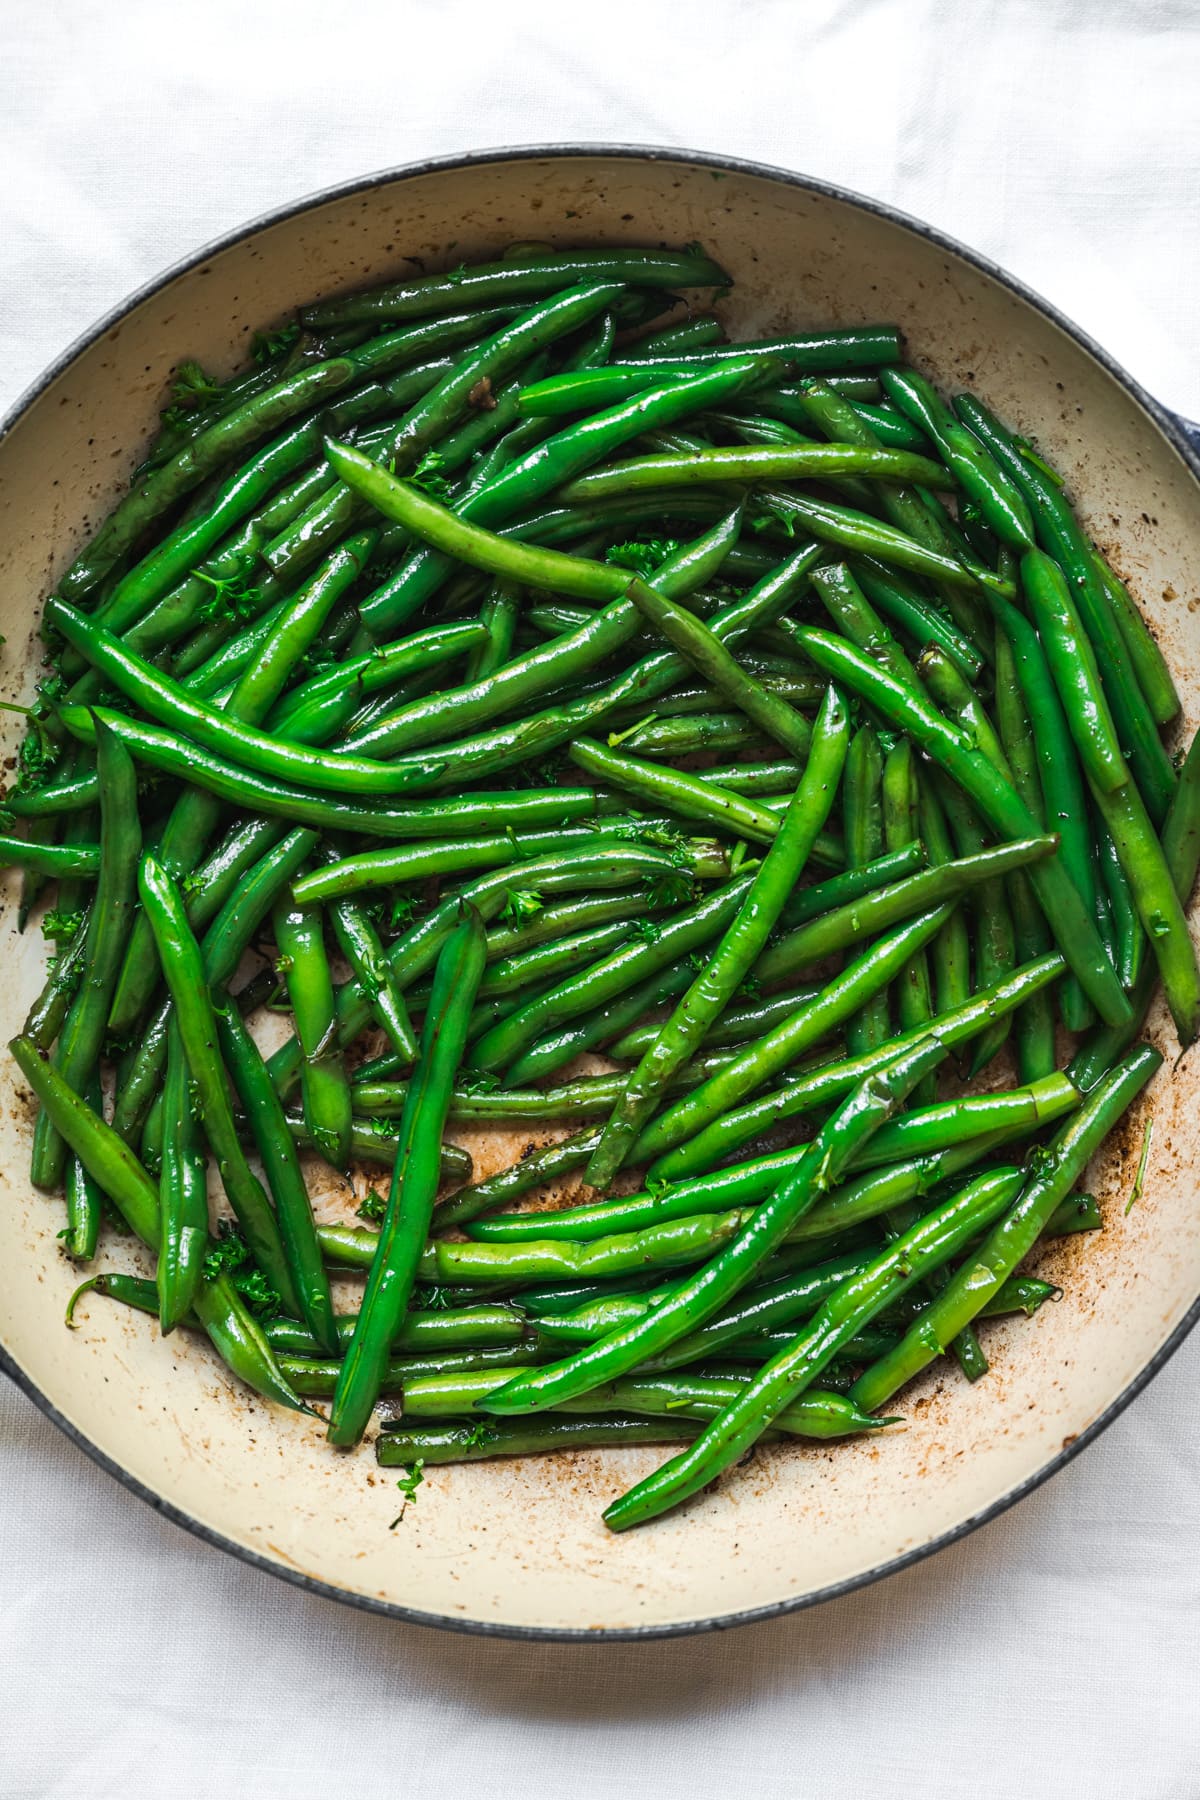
(518, 1547)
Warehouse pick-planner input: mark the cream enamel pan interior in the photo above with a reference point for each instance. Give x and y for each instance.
(518, 1546)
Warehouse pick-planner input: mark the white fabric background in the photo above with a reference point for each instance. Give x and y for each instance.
(1060, 1646)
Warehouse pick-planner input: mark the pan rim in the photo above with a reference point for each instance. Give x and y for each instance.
(1168, 424)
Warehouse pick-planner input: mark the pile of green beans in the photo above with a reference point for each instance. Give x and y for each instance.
(576, 723)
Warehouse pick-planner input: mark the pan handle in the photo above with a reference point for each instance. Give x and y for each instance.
(1190, 430)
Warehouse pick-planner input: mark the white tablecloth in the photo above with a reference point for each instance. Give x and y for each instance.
(1057, 1650)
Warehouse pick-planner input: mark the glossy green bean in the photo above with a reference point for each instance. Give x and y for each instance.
(81, 1038)
(738, 950)
(996, 799)
(515, 277)
(57, 860)
(158, 489)
(706, 1292)
(819, 1087)
(183, 1194)
(186, 977)
(1059, 533)
(324, 1083)
(463, 709)
(752, 463)
(500, 1047)
(1015, 1234)
(982, 480)
(1181, 846)
(410, 1203)
(281, 1165)
(235, 1334)
(926, 1246)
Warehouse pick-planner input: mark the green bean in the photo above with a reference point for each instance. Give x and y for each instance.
(443, 406)
(669, 738)
(256, 751)
(506, 746)
(183, 1194)
(161, 749)
(549, 666)
(371, 1144)
(503, 1044)
(285, 1177)
(415, 862)
(149, 612)
(1127, 927)
(324, 1083)
(518, 485)
(926, 1246)
(429, 1334)
(994, 934)
(982, 480)
(85, 1202)
(436, 1442)
(79, 1042)
(551, 923)
(739, 948)
(507, 974)
(1033, 1025)
(1181, 846)
(705, 651)
(516, 278)
(195, 814)
(857, 619)
(1154, 675)
(753, 463)
(862, 535)
(998, 802)
(740, 1021)
(1059, 534)
(862, 813)
(921, 619)
(56, 797)
(56, 860)
(715, 1284)
(820, 1086)
(1015, 1234)
(1158, 905)
(821, 1415)
(45, 1018)
(184, 968)
(730, 1189)
(859, 345)
(360, 944)
(587, 1097)
(236, 1336)
(1072, 664)
(596, 1025)
(413, 953)
(158, 489)
(835, 1004)
(315, 712)
(410, 1204)
(901, 829)
(685, 795)
(499, 616)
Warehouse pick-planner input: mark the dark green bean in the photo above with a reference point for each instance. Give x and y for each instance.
(77, 1051)
(706, 1292)
(184, 968)
(285, 1177)
(410, 1204)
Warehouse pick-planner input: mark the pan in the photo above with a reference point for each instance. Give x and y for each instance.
(518, 1547)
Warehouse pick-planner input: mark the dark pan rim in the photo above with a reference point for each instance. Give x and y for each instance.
(1177, 435)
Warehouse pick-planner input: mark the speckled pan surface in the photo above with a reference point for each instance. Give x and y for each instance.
(519, 1546)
